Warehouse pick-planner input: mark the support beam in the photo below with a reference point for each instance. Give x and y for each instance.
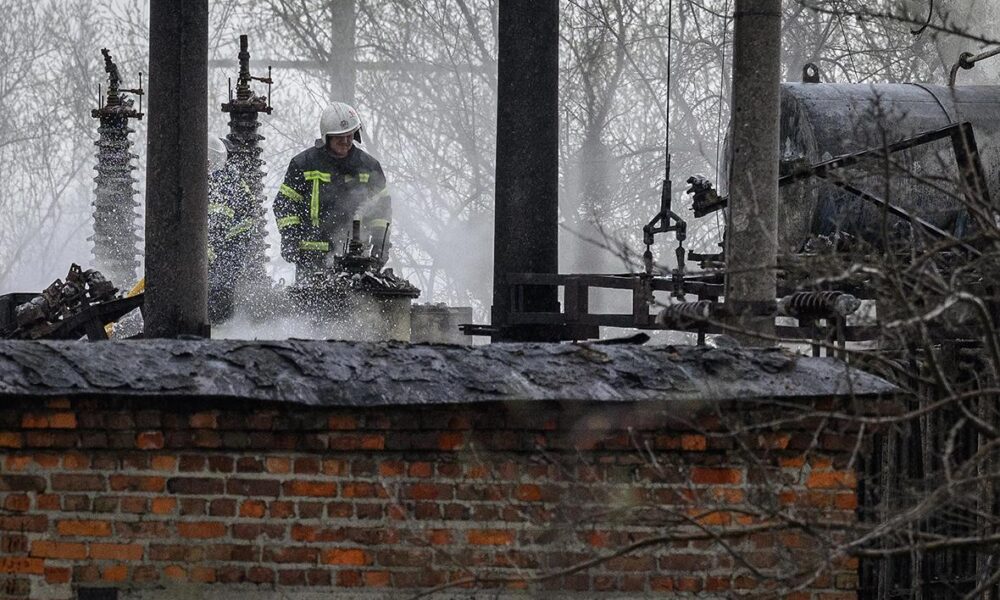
(340, 66)
(752, 228)
(526, 234)
(176, 179)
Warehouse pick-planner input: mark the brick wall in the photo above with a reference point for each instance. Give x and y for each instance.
(158, 497)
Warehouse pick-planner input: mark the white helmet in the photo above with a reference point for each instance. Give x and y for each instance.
(217, 154)
(339, 119)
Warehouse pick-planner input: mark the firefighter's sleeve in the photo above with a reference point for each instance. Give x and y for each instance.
(291, 208)
(378, 210)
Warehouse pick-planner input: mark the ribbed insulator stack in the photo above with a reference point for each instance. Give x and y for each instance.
(116, 238)
(244, 155)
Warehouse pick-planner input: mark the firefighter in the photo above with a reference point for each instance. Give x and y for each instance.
(327, 187)
(230, 221)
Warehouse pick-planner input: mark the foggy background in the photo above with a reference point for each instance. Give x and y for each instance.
(423, 75)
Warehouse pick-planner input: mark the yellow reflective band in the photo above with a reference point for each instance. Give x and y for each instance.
(364, 177)
(316, 177)
(238, 229)
(381, 193)
(291, 194)
(315, 246)
(378, 223)
(215, 208)
(288, 222)
(348, 178)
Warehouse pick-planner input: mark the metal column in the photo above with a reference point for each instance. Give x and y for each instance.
(752, 228)
(176, 180)
(526, 234)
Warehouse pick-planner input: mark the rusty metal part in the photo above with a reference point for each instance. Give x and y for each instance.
(116, 236)
(244, 154)
(818, 305)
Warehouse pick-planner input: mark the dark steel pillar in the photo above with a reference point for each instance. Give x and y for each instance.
(752, 227)
(341, 68)
(176, 178)
(526, 231)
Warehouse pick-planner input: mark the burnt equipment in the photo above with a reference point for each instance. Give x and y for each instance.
(352, 296)
(116, 238)
(82, 305)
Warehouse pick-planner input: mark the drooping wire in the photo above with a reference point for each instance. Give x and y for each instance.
(718, 131)
(930, 14)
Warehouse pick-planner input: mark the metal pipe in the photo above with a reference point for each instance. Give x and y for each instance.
(752, 227)
(526, 234)
(176, 187)
(967, 60)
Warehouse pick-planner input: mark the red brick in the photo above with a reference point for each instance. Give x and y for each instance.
(831, 480)
(116, 551)
(421, 469)
(317, 489)
(254, 509)
(342, 422)
(358, 490)
(346, 556)
(278, 465)
(440, 537)
(391, 468)
(332, 466)
(68, 550)
(114, 573)
(203, 574)
(299, 554)
(694, 443)
(149, 440)
(23, 565)
(703, 475)
(163, 463)
(175, 573)
(424, 491)
(528, 493)
(55, 575)
(84, 528)
(10, 440)
(490, 537)
(17, 503)
(78, 483)
(451, 440)
(201, 530)
(793, 462)
(376, 578)
(204, 420)
(163, 506)
(135, 483)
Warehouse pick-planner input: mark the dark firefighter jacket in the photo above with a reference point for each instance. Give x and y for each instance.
(320, 197)
(231, 211)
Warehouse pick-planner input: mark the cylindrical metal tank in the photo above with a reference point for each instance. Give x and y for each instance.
(820, 121)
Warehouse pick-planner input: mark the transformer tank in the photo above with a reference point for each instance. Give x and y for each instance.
(820, 121)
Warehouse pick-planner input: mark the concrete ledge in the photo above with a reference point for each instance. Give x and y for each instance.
(321, 373)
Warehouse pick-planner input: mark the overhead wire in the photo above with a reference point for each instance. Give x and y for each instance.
(718, 131)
